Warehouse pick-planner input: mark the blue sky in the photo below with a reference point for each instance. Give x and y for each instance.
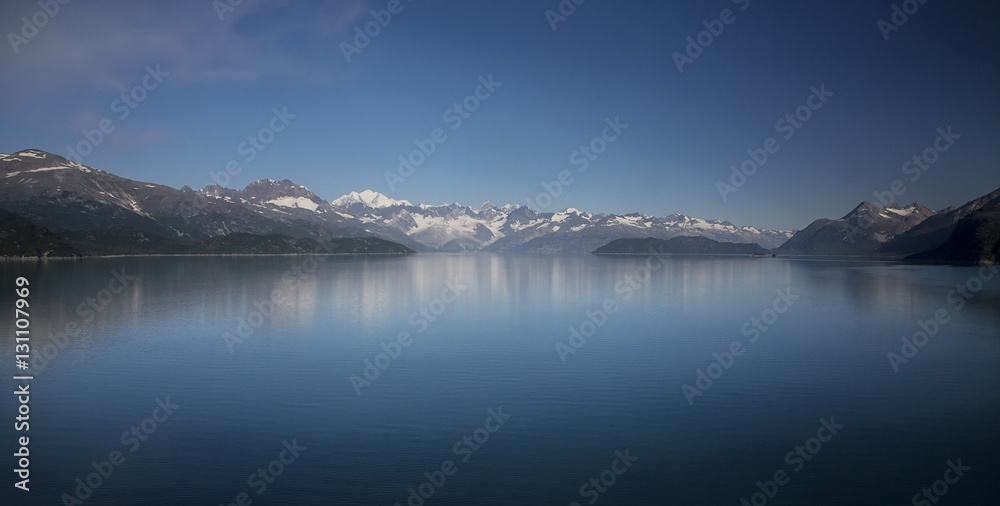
(606, 60)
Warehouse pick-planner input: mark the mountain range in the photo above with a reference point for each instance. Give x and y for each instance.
(60, 207)
(101, 211)
(98, 213)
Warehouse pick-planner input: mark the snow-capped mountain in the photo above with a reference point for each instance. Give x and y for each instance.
(454, 227)
(936, 229)
(863, 231)
(368, 198)
(284, 193)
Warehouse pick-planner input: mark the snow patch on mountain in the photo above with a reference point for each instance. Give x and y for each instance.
(31, 153)
(517, 227)
(295, 202)
(564, 214)
(43, 169)
(905, 211)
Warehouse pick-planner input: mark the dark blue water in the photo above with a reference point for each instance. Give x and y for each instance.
(485, 338)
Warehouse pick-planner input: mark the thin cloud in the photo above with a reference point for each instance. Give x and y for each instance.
(101, 46)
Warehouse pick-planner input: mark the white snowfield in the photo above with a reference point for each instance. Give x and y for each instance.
(295, 202)
(71, 166)
(43, 169)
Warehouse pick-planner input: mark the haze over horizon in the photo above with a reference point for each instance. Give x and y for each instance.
(208, 83)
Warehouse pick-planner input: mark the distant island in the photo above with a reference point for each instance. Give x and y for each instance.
(679, 246)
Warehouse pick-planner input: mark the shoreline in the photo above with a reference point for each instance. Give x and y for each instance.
(143, 255)
(822, 258)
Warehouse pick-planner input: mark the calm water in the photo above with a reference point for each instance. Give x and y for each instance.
(493, 346)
